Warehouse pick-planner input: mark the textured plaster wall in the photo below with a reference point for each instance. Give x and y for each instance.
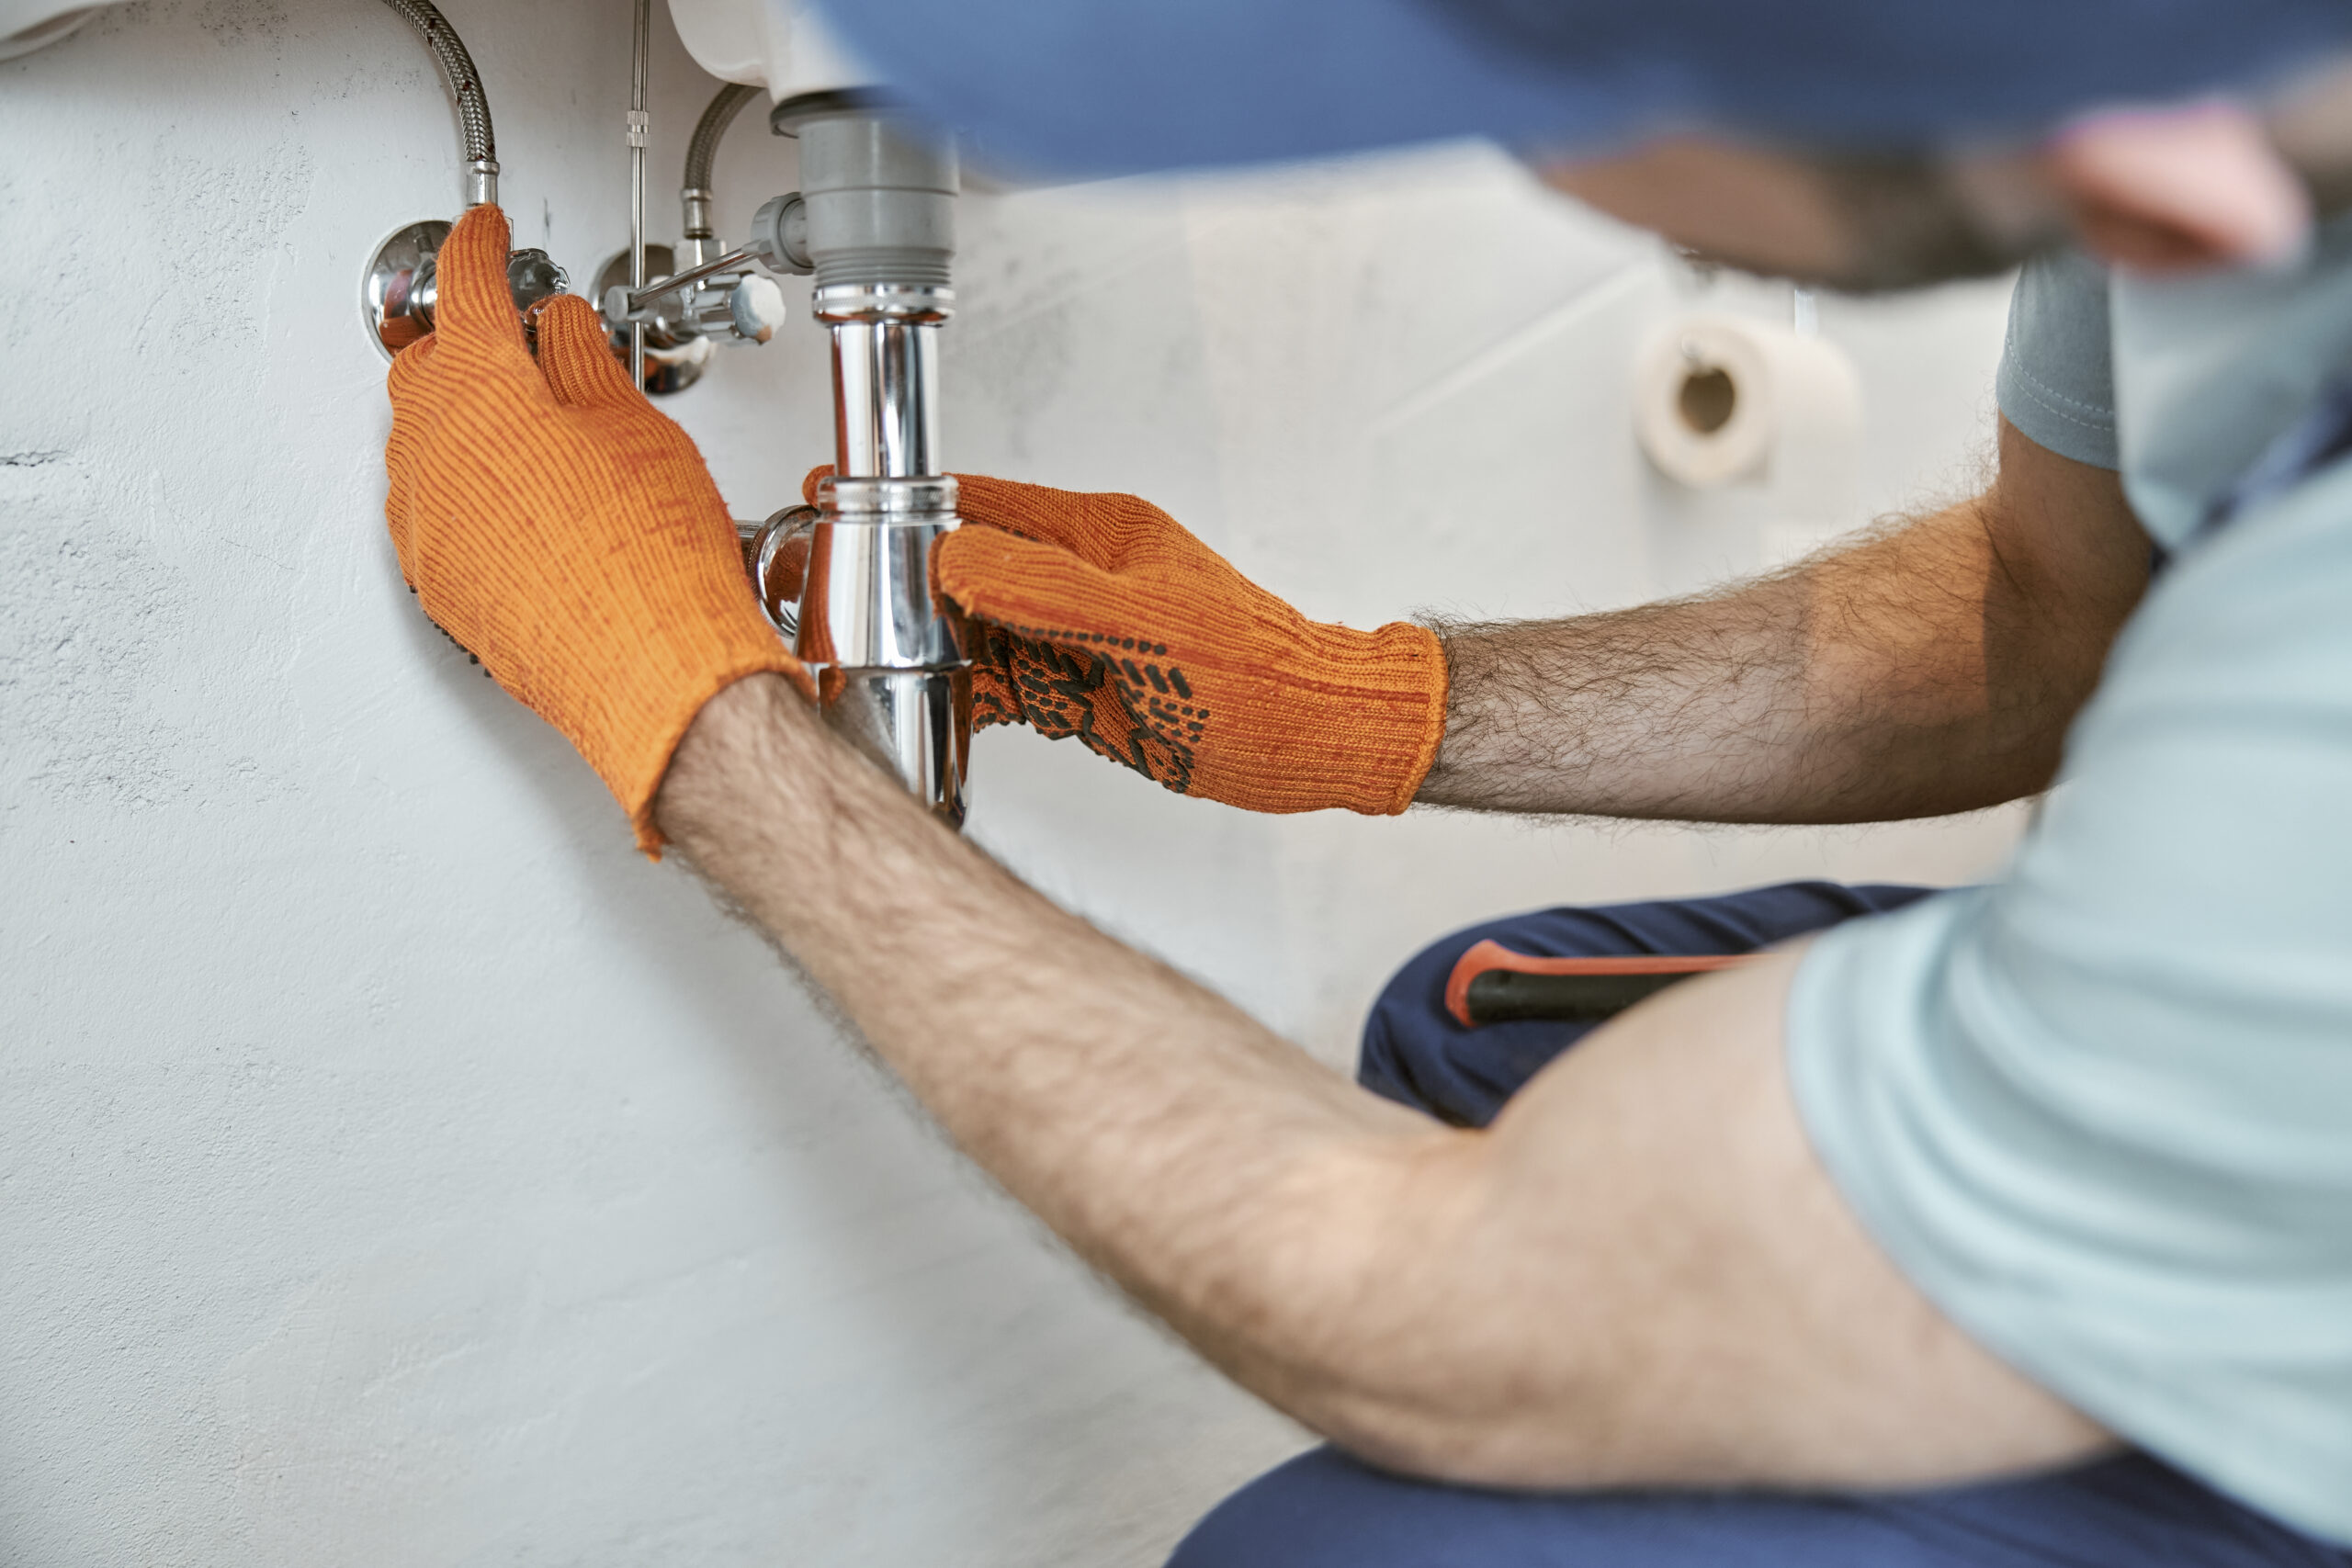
(395, 1169)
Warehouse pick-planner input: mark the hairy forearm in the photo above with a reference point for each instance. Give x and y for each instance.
(1812, 695)
(1204, 1164)
(1931, 668)
(1639, 1276)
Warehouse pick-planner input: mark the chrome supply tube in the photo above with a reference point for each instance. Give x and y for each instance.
(640, 127)
(465, 85)
(891, 661)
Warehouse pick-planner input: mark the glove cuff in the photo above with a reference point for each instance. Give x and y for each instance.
(1365, 715)
(631, 743)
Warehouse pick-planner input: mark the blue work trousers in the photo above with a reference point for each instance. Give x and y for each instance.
(1325, 1510)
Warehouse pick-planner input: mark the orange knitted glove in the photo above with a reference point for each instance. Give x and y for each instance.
(1108, 621)
(560, 530)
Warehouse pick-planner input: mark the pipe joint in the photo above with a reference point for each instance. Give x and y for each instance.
(900, 304)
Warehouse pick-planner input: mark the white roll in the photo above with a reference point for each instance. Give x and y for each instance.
(1725, 400)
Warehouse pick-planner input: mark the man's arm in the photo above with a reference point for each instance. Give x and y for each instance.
(1930, 669)
(1639, 1274)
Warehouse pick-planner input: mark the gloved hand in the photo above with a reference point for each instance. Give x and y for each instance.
(563, 531)
(1107, 620)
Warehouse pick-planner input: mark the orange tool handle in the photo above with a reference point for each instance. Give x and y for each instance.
(1491, 984)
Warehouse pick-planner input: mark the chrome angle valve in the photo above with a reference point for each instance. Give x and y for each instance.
(703, 300)
(397, 294)
(398, 291)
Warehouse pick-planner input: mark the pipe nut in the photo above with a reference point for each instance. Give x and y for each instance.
(780, 234)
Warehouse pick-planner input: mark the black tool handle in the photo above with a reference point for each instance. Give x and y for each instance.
(1502, 996)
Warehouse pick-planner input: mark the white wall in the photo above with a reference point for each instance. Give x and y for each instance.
(395, 1169)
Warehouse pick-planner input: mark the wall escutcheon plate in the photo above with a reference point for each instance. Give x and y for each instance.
(384, 287)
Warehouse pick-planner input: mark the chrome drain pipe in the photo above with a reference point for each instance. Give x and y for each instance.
(891, 662)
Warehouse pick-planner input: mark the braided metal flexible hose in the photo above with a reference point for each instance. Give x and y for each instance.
(703, 149)
(465, 85)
